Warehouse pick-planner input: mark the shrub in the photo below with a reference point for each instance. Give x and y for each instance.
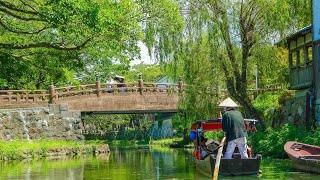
(265, 104)
(271, 141)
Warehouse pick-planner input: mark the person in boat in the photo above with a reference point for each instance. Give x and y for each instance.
(234, 128)
(200, 147)
(203, 147)
(196, 152)
(212, 145)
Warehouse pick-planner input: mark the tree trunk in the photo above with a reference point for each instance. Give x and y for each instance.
(243, 99)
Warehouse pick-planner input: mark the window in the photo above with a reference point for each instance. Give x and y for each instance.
(293, 60)
(301, 59)
(309, 61)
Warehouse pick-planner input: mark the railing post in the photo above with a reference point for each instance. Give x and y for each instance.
(52, 94)
(98, 87)
(140, 82)
(9, 96)
(180, 86)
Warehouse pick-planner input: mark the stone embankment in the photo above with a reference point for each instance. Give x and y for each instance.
(55, 122)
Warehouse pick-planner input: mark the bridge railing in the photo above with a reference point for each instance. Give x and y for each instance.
(107, 88)
(23, 96)
(159, 87)
(73, 90)
(56, 93)
(118, 87)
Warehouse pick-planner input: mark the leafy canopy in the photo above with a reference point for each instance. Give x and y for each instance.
(85, 37)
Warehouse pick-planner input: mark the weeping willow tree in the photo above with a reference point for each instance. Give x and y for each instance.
(236, 37)
(200, 76)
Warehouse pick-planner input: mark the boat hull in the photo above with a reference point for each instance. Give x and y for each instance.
(230, 167)
(304, 157)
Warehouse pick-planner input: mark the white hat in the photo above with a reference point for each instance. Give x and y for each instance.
(119, 77)
(228, 103)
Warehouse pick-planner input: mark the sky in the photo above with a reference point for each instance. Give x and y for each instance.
(144, 55)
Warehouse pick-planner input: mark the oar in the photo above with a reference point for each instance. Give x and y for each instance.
(216, 166)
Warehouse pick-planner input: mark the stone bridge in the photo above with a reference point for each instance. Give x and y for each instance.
(132, 97)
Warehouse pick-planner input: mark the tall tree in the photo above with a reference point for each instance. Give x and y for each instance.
(238, 30)
(78, 34)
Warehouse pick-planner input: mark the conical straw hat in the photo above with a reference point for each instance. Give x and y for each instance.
(228, 103)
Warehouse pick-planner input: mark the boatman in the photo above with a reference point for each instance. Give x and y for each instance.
(234, 128)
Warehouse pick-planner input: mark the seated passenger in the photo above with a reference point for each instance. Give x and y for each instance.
(203, 147)
(212, 145)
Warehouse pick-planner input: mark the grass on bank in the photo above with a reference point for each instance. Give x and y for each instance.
(17, 148)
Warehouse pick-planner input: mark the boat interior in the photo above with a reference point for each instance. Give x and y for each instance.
(311, 152)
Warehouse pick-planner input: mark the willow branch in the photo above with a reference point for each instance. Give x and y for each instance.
(28, 6)
(44, 45)
(20, 32)
(19, 17)
(14, 8)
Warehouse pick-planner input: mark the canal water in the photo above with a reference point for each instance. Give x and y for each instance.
(133, 164)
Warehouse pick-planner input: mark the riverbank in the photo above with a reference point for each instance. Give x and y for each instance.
(20, 149)
(172, 143)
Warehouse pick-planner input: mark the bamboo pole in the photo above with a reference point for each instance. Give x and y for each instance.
(216, 166)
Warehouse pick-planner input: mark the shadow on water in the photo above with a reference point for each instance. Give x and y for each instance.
(133, 164)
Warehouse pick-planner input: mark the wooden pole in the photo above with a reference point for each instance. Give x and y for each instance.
(140, 83)
(52, 94)
(98, 86)
(216, 166)
(180, 85)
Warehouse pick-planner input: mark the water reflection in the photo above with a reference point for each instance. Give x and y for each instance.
(151, 163)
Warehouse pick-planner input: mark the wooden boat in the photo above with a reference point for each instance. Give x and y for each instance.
(304, 157)
(230, 167)
(236, 165)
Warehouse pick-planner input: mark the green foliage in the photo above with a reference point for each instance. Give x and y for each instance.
(150, 73)
(118, 126)
(179, 123)
(40, 41)
(16, 149)
(216, 135)
(3, 83)
(167, 142)
(131, 134)
(265, 104)
(271, 142)
(272, 65)
(200, 73)
(234, 39)
(270, 105)
(127, 143)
